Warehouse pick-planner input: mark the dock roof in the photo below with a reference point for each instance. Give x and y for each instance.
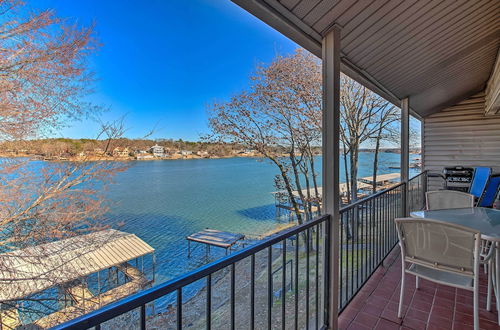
(31, 270)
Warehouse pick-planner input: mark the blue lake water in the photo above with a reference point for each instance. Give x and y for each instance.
(162, 202)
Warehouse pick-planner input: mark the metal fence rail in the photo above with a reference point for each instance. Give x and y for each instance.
(417, 187)
(281, 281)
(368, 233)
(292, 298)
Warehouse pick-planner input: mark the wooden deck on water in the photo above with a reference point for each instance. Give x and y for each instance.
(213, 237)
(383, 181)
(363, 183)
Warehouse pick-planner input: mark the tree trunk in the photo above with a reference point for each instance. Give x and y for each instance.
(354, 174)
(289, 190)
(375, 160)
(297, 180)
(315, 182)
(347, 179)
(308, 191)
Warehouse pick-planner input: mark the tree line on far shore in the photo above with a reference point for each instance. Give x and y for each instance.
(65, 147)
(73, 147)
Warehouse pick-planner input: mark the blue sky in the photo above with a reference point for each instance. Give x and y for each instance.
(162, 62)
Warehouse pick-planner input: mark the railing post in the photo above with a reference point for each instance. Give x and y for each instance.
(405, 152)
(424, 189)
(331, 196)
(404, 199)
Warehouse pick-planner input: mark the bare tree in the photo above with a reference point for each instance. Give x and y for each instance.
(280, 118)
(44, 77)
(361, 113)
(385, 130)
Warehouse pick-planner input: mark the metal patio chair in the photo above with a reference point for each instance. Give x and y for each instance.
(448, 199)
(452, 199)
(440, 252)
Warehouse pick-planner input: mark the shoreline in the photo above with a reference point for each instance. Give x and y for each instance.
(94, 158)
(116, 159)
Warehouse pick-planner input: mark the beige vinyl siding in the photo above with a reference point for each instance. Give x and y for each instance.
(461, 135)
(492, 98)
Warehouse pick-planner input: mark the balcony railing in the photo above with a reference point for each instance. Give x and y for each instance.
(368, 233)
(277, 282)
(281, 282)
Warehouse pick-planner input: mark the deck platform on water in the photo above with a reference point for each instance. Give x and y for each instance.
(213, 237)
(282, 199)
(382, 179)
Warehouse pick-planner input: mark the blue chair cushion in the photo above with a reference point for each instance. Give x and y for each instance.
(491, 191)
(479, 181)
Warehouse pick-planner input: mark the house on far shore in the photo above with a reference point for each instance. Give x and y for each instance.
(157, 151)
(144, 156)
(186, 152)
(202, 154)
(98, 151)
(119, 152)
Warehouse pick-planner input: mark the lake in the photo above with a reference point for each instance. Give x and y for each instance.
(162, 202)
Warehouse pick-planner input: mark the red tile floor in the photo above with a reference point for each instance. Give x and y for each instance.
(432, 306)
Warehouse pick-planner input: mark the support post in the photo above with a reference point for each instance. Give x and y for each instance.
(405, 152)
(331, 195)
(422, 160)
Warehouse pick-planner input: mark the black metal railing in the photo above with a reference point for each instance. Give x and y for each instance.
(281, 282)
(368, 233)
(278, 282)
(417, 187)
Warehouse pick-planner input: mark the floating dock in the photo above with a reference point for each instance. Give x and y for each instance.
(213, 237)
(282, 200)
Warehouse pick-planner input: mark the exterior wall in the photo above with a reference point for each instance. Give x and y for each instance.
(493, 89)
(461, 135)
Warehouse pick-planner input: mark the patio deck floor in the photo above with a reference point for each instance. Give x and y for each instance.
(432, 306)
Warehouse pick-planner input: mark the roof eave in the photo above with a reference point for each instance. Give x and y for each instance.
(275, 15)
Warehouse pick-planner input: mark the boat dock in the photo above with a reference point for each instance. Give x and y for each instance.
(67, 265)
(363, 183)
(213, 237)
(383, 181)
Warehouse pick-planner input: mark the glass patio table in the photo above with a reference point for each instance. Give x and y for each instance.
(486, 221)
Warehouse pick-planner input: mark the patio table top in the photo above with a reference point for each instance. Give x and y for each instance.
(485, 220)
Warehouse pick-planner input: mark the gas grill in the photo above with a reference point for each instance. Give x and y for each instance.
(458, 178)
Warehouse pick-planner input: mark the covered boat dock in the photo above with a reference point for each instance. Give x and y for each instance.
(66, 264)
